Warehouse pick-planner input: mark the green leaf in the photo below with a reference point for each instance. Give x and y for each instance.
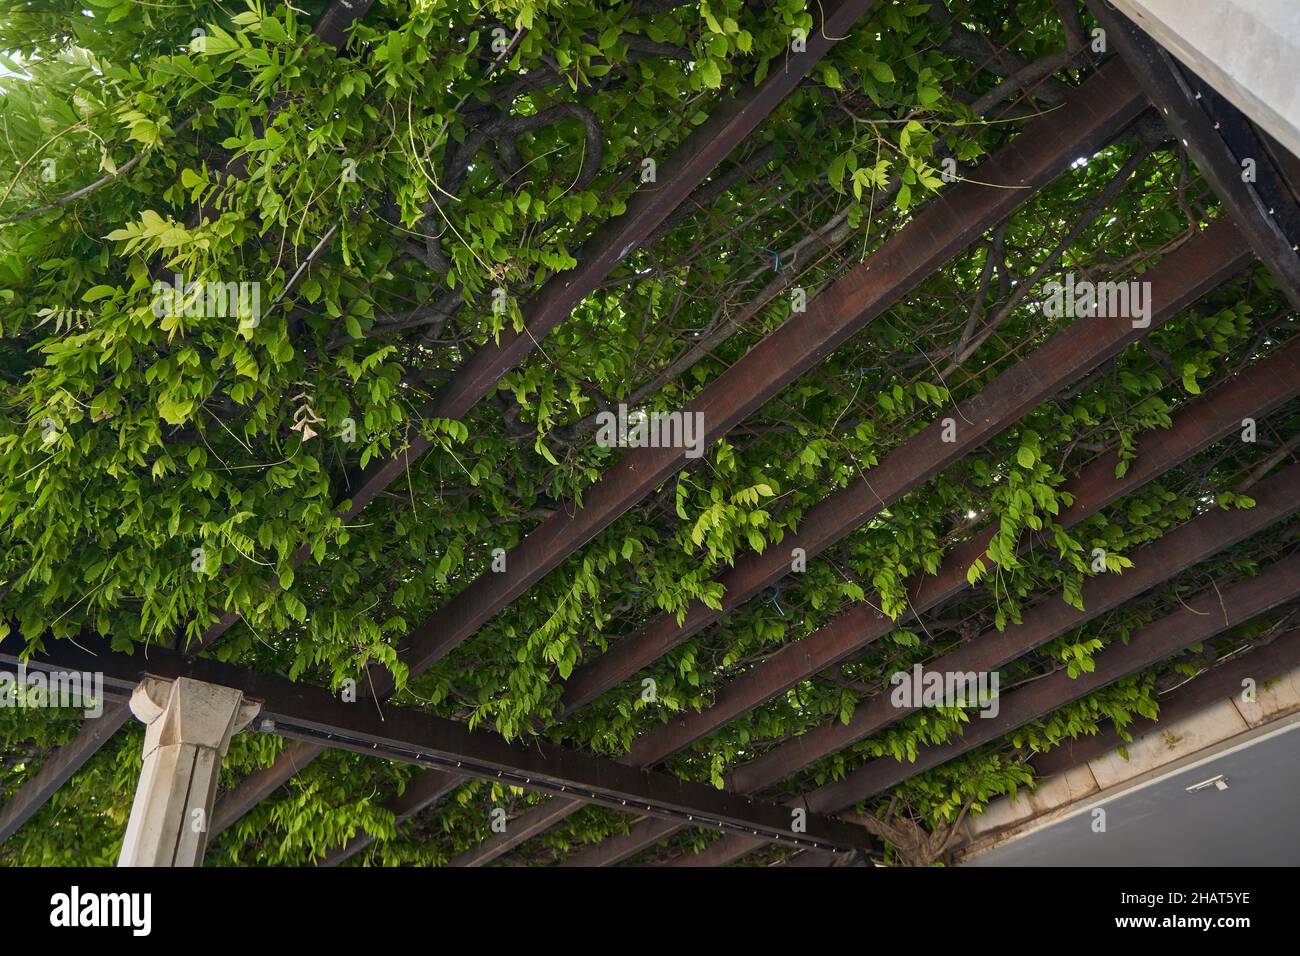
(881, 71)
(710, 75)
(95, 293)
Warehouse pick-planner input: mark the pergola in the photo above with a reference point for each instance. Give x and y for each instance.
(1217, 590)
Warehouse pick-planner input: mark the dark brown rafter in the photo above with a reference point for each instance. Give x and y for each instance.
(1278, 499)
(335, 20)
(59, 768)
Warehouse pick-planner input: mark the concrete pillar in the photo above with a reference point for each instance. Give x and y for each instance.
(190, 724)
(1248, 50)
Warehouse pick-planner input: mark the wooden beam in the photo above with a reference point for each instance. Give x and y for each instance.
(309, 713)
(1220, 683)
(60, 766)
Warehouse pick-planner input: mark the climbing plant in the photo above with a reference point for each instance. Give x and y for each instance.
(237, 263)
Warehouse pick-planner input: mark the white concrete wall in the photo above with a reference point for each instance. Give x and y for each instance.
(1163, 750)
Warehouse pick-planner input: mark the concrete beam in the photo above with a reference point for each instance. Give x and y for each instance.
(1245, 49)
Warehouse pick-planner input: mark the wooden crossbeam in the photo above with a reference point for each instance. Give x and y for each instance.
(305, 712)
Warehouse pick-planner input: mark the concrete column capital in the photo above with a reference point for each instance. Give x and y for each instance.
(185, 711)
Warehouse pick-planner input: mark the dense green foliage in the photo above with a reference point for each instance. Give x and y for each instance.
(362, 191)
